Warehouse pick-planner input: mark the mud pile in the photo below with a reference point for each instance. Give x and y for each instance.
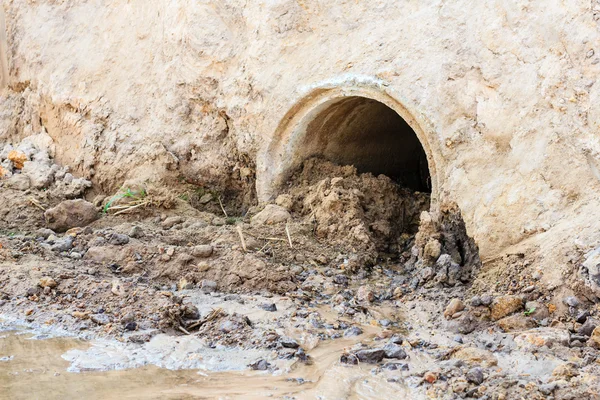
(368, 213)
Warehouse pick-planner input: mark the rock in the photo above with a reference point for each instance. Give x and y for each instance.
(117, 288)
(202, 251)
(505, 305)
(80, 315)
(453, 307)
(70, 214)
(533, 339)
(289, 343)
(47, 282)
(230, 325)
(118, 239)
(588, 327)
(571, 301)
(260, 365)
(270, 215)
(393, 350)
(271, 307)
(475, 301)
(566, 370)
(17, 158)
(131, 326)
(353, 331)
(63, 244)
(475, 375)
(517, 322)
(595, 338)
(365, 294)
(208, 286)
(582, 316)
(171, 221)
(432, 250)
(44, 233)
(370, 356)
(430, 376)
(474, 355)
(41, 174)
(486, 300)
(18, 182)
(136, 232)
(340, 279)
(100, 319)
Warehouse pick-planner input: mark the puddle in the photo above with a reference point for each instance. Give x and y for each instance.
(38, 368)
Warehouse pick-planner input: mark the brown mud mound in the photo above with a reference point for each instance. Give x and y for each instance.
(368, 213)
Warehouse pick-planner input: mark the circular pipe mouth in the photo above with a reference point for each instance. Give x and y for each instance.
(363, 127)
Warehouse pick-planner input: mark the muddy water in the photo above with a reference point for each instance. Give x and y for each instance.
(34, 368)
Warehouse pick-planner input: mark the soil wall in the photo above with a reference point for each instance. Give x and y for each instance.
(504, 95)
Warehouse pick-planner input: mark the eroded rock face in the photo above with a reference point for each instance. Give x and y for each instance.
(70, 214)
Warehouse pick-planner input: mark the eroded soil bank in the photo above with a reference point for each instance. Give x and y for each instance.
(345, 275)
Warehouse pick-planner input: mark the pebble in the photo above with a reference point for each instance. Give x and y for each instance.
(118, 239)
(571, 301)
(208, 286)
(353, 331)
(393, 350)
(64, 244)
(475, 375)
(430, 376)
(453, 307)
(365, 294)
(136, 232)
(100, 319)
(588, 327)
(486, 300)
(260, 365)
(370, 356)
(47, 282)
(202, 251)
(475, 301)
(289, 343)
(271, 307)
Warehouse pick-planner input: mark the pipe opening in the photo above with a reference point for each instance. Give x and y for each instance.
(370, 136)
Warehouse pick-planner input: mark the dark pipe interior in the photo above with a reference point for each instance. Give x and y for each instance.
(371, 136)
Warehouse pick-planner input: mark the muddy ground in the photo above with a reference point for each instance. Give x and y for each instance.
(339, 257)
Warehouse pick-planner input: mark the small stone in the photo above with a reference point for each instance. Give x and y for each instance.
(474, 355)
(260, 365)
(100, 319)
(432, 250)
(271, 307)
(365, 294)
(571, 301)
(340, 279)
(475, 375)
(118, 239)
(70, 214)
(458, 339)
(588, 327)
(517, 322)
(486, 300)
(47, 282)
(171, 221)
(582, 316)
(430, 376)
(63, 244)
(394, 351)
(370, 356)
(208, 286)
(567, 370)
(505, 305)
(131, 326)
(289, 343)
(18, 182)
(353, 331)
(270, 215)
(453, 307)
(80, 315)
(475, 301)
(202, 251)
(136, 232)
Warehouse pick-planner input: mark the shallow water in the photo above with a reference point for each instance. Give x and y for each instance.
(34, 368)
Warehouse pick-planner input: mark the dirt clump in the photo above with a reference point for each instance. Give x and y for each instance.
(368, 213)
